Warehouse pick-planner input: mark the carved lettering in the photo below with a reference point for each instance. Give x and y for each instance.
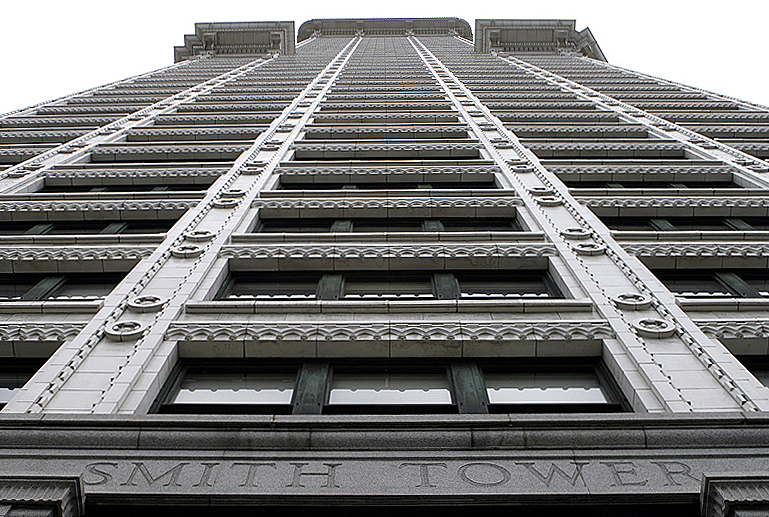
(424, 472)
(501, 471)
(674, 468)
(251, 473)
(619, 468)
(555, 469)
(173, 475)
(330, 475)
(206, 478)
(95, 468)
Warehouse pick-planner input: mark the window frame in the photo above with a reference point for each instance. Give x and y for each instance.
(464, 380)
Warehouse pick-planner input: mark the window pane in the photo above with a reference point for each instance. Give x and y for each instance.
(692, 283)
(84, 290)
(375, 285)
(513, 284)
(13, 288)
(276, 285)
(480, 225)
(236, 388)
(544, 388)
(10, 383)
(389, 388)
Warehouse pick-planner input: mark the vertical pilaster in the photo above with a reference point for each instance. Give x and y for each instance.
(648, 324)
(137, 314)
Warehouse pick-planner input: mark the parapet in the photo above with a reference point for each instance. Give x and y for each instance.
(534, 36)
(241, 38)
(384, 27)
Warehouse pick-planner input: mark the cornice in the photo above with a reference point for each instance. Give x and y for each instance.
(734, 329)
(697, 249)
(457, 333)
(39, 331)
(336, 252)
(98, 206)
(674, 202)
(76, 253)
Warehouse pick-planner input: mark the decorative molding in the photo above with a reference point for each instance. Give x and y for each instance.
(388, 203)
(674, 202)
(733, 329)
(353, 251)
(498, 331)
(39, 331)
(149, 205)
(136, 172)
(178, 148)
(65, 494)
(728, 495)
(647, 172)
(705, 249)
(77, 253)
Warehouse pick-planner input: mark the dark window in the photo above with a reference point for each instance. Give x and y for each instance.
(86, 227)
(172, 187)
(391, 387)
(684, 223)
(14, 373)
(758, 366)
(85, 286)
(388, 285)
(651, 184)
(697, 283)
(231, 388)
(325, 225)
(390, 186)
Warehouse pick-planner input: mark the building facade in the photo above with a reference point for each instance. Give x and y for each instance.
(385, 263)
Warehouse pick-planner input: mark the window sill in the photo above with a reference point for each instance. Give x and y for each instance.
(527, 305)
(411, 237)
(393, 193)
(51, 306)
(132, 238)
(690, 235)
(723, 304)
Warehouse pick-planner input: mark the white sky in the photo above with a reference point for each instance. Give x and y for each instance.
(56, 47)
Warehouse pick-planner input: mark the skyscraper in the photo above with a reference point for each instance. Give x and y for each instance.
(385, 262)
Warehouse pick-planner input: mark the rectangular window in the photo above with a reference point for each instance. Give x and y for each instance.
(454, 185)
(86, 227)
(388, 388)
(231, 388)
(14, 374)
(393, 225)
(412, 386)
(81, 286)
(722, 283)
(174, 187)
(506, 284)
(388, 285)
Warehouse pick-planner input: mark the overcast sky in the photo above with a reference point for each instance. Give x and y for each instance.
(54, 48)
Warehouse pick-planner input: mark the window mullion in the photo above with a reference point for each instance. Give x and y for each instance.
(469, 388)
(342, 225)
(44, 288)
(736, 284)
(330, 286)
(311, 388)
(446, 286)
